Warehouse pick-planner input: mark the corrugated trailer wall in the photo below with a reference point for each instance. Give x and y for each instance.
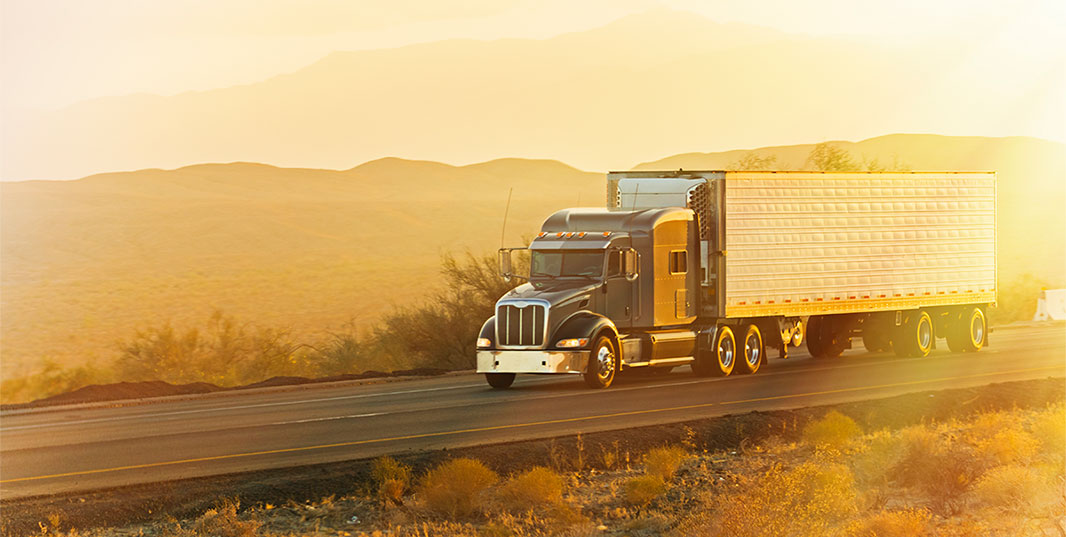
(802, 243)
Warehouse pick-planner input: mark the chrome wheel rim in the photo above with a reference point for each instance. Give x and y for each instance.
(925, 333)
(977, 330)
(605, 359)
(752, 352)
(725, 352)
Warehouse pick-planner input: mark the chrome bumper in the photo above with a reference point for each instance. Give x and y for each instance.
(533, 361)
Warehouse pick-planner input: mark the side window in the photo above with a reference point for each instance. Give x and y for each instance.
(614, 263)
(678, 262)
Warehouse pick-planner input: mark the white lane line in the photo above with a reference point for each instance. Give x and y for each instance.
(237, 407)
(330, 418)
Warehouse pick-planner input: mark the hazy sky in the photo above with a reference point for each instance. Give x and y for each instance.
(59, 52)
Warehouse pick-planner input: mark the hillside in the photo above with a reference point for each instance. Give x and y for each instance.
(647, 85)
(86, 263)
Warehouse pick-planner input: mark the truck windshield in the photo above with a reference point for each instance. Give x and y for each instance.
(555, 264)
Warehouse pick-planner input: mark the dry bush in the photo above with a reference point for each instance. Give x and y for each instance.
(641, 490)
(906, 523)
(1049, 428)
(834, 430)
(1008, 446)
(222, 521)
(537, 488)
(940, 468)
(1015, 488)
(664, 462)
(391, 478)
(51, 379)
(810, 499)
(454, 488)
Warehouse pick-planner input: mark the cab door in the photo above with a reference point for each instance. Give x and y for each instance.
(619, 291)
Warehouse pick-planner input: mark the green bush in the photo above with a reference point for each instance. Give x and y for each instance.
(454, 488)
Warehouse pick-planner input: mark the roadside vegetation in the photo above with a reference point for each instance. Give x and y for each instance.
(994, 474)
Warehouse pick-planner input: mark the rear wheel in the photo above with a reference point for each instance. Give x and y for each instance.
(914, 338)
(753, 351)
(603, 364)
(824, 339)
(968, 333)
(500, 381)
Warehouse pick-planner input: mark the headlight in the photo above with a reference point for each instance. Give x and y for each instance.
(484, 342)
(572, 343)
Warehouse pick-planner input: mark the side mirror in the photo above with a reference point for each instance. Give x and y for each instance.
(630, 264)
(505, 264)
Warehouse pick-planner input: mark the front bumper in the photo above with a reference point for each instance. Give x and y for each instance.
(532, 361)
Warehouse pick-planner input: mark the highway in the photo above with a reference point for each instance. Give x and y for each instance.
(51, 451)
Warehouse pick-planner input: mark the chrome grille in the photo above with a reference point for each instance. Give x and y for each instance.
(520, 326)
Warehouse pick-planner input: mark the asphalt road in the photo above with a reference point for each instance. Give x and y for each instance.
(74, 449)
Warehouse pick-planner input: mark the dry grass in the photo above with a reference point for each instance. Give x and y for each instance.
(454, 488)
(921, 481)
(391, 479)
(834, 430)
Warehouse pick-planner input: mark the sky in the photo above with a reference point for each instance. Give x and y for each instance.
(57, 52)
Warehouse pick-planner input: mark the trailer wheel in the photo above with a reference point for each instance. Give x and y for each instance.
(823, 341)
(500, 381)
(876, 340)
(914, 338)
(969, 332)
(754, 351)
(603, 364)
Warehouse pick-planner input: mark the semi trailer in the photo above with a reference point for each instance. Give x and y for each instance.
(712, 268)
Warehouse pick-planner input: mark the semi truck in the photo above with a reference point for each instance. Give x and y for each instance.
(712, 269)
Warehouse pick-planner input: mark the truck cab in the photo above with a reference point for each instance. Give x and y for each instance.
(595, 276)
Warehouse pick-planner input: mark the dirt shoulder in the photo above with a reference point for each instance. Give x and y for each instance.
(178, 499)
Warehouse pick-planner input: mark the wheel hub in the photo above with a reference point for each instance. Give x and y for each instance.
(605, 358)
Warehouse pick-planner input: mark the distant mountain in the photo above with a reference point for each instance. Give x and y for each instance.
(643, 86)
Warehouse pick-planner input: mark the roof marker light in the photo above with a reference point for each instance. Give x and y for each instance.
(570, 234)
(541, 234)
(606, 233)
(581, 235)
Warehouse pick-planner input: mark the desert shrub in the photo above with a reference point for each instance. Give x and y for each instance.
(536, 488)
(391, 478)
(1016, 299)
(641, 490)
(810, 499)
(454, 488)
(223, 521)
(1049, 428)
(940, 468)
(442, 331)
(905, 523)
(1014, 488)
(834, 430)
(51, 379)
(664, 462)
(1009, 446)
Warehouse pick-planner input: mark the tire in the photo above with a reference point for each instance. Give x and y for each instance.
(797, 336)
(724, 353)
(914, 338)
(876, 340)
(969, 332)
(500, 381)
(753, 351)
(603, 364)
(823, 340)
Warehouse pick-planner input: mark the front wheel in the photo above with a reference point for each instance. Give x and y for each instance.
(603, 364)
(500, 381)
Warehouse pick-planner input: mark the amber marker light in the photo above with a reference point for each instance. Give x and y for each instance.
(572, 343)
(484, 342)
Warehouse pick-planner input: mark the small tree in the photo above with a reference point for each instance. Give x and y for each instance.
(752, 161)
(829, 158)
